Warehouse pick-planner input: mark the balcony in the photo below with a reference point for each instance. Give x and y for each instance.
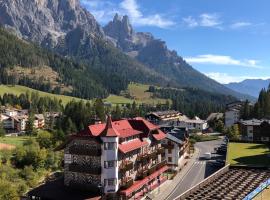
(161, 164)
(142, 157)
(126, 183)
(84, 169)
(153, 155)
(167, 146)
(84, 151)
(161, 150)
(126, 165)
(142, 173)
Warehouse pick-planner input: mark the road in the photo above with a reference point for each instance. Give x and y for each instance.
(200, 170)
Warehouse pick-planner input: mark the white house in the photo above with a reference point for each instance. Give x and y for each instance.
(193, 124)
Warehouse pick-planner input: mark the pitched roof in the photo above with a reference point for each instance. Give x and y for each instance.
(109, 130)
(159, 135)
(132, 145)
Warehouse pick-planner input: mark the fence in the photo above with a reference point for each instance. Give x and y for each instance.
(257, 190)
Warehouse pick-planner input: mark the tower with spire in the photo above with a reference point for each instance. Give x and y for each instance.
(109, 159)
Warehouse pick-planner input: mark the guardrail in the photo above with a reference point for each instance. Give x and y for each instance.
(259, 189)
(203, 183)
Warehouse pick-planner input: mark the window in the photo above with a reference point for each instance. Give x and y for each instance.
(169, 159)
(110, 182)
(109, 145)
(169, 151)
(109, 164)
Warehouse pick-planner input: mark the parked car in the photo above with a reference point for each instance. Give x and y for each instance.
(207, 156)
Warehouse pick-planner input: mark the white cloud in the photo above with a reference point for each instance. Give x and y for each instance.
(137, 18)
(225, 78)
(223, 60)
(238, 25)
(103, 10)
(204, 20)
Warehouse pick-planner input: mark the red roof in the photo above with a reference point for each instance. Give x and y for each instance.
(148, 124)
(159, 135)
(139, 184)
(122, 128)
(132, 145)
(109, 130)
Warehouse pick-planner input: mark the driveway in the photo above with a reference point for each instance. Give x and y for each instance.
(200, 169)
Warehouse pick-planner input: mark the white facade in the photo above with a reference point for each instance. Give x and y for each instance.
(194, 124)
(231, 117)
(109, 164)
(175, 154)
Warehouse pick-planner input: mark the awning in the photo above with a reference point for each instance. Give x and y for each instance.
(132, 145)
(139, 184)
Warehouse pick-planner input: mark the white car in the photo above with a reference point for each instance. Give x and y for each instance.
(207, 156)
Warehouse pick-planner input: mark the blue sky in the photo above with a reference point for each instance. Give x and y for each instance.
(228, 40)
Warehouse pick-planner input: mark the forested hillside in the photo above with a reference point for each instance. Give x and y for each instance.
(259, 110)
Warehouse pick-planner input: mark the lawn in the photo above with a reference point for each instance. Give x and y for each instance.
(138, 93)
(248, 154)
(18, 89)
(16, 141)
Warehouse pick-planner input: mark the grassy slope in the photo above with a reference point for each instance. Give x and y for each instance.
(248, 154)
(17, 90)
(16, 141)
(139, 93)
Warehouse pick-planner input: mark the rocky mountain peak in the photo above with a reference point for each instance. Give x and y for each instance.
(119, 28)
(46, 22)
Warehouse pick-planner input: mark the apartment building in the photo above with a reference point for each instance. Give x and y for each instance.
(176, 146)
(232, 113)
(123, 159)
(255, 130)
(163, 117)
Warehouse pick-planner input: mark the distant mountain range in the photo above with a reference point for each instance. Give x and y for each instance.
(251, 87)
(114, 55)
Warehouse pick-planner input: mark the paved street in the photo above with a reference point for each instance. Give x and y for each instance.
(200, 169)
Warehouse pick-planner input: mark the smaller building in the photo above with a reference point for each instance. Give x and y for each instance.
(176, 146)
(163, 117)
(193, 124)
(232, 113)
(39, 121)
(255, 130)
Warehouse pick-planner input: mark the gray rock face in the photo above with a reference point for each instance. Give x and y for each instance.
(46, 22)
(122, 35)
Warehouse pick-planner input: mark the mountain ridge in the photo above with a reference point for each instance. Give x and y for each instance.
(155, 54)
(68, 29)
(249, 86)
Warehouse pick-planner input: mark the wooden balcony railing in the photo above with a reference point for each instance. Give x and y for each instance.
(84, 169)
(126, 165)
(153, 155)
(84, 151)
(161, 150)
(161, 164)
(126, 183)
(142, 157)
(142, 173)
(146, 172)
(167, 146)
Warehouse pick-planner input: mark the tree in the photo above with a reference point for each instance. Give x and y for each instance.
(44, 138)
(2, 130)
(99, 109)
(30, 129)
(233, 132)
(8, 191)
